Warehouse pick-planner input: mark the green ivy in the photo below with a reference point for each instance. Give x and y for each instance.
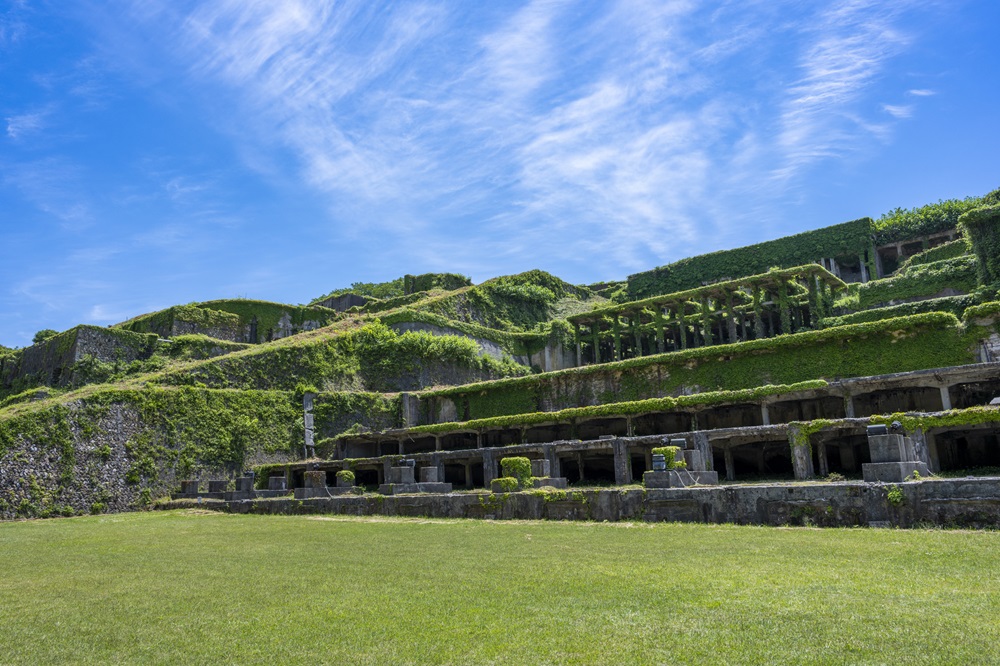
(847, 239)
(982, 227)
(518, 468)
(920, 280)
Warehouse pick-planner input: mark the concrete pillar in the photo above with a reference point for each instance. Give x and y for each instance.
(410, 409)
(623, 462)
(706, 324)
(824, 465)
(682, 324)
(945, 398)
(758, 314)
(579, 344)
(786, 310)
(731, 318)
(617, 331)
(930, 441)
(879, 269)
(658, 322)
(730, 465)
(489, 467)
(636, 324)
(701, 443)
(400, 447)
(437, 442)
(765, 414)
(595, 332)
(864, 268)
(849, 406)
(922, 449)
(649, 459)
(549, 451)
(802, 462)
(468, 475)
(579, 464)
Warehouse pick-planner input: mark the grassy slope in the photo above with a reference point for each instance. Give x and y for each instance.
(159, 588)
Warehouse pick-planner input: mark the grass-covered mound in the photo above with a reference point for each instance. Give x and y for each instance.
(183, 587)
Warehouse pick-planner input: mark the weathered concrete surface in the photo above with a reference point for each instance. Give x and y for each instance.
(970, 502)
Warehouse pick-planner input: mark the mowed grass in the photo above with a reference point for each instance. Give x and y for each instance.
(191, 588)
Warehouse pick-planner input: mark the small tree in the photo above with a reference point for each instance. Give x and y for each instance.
(43, 335)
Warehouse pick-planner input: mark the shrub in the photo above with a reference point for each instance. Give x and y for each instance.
(670, 453)
(508, 484)
(517, 467)
(982, 227)
(895, 496)
(346, 476)
(43, 335)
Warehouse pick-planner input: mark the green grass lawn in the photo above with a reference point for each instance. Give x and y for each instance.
(190, 588)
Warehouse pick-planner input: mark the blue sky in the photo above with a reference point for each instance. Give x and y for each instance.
(155, 152)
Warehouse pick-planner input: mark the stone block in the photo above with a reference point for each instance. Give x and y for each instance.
(541, 468)
(892, 472)
(189, 487)
(277, 483)
(315, 479)
(695, 463)
(428, 474)
(218, 485)
(401, 475)
(550, 482)
(244, 484)
(887, 448)
(344, 483)
(668, 479)
(704, 478)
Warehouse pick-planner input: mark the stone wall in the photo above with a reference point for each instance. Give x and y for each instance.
(101, 457)
(947, 502)
(50, 360)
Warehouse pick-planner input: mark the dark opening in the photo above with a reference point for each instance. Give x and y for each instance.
(733, 416)
(806, 410)
(666, 423)
(593, 429)
(966, 449)
(913, 399)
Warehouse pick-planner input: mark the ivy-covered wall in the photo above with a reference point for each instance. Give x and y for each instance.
(956, 275)
(51, 362)
(428, 281)
(116, 450)
(372, 358)
(851, 239)
(982, 227)
(917, 342)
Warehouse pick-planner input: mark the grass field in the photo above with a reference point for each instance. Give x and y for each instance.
(184, 587)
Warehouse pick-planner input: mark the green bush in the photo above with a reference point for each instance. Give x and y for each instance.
(519, 468)
(670, 454)
(907, 223)
(982, 227)
(43, 335)
(345, 476)
(949, 250)
(955, 305)
(920, 281)
(507, 484)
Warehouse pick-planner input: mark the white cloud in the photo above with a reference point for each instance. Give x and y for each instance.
(921, 92)
(898, 111)
(634, 131)
(25, 124)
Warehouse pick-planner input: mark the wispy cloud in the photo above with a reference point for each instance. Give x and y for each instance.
(634, 130)
(25, 124)
(844, 54)
(921, 92)
(897, 111)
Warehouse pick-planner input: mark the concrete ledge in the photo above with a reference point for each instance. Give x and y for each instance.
(969, 502)
(892, 472)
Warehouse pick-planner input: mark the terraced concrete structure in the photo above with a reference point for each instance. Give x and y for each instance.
(772, 376)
